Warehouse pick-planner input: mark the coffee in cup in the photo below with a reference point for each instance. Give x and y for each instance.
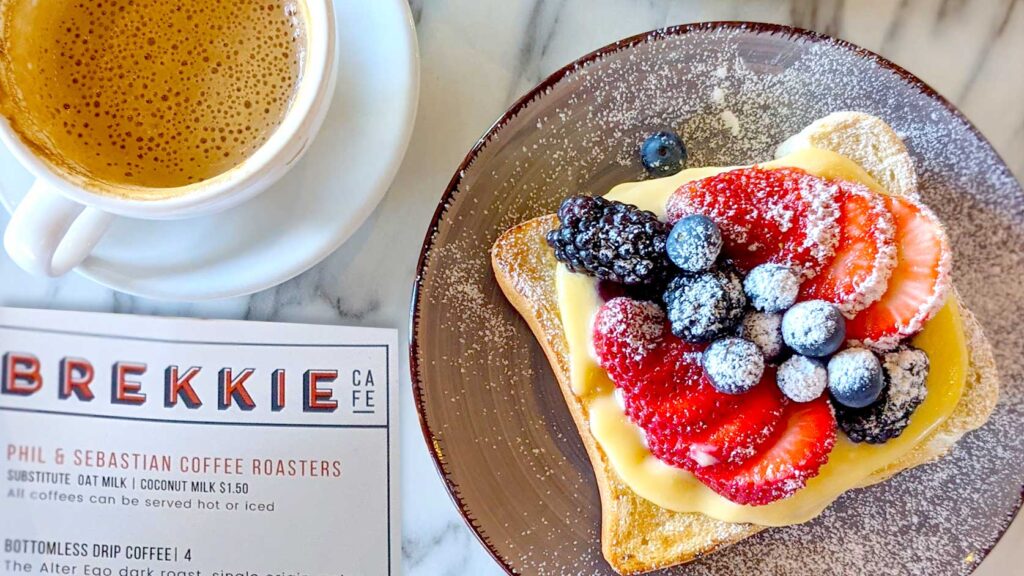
(144, 97)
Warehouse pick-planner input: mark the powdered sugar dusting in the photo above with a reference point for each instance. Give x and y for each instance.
(802, 379)
(765, 330)
(810, 324)
(907, 370)
(704, 306)
(868, 289)
(636, 326)
(771, 287)
(490, 402)
(731, 122)
(822, 234)
(939, 289)
(735, 365)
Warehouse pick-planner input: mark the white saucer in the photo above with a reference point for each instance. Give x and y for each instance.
(310, 212)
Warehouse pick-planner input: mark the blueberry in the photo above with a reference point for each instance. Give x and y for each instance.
(855, 377)
(802, 379)
(814, 328)
(663, 154)
(765, 330)
(734, 365)
(771, 287)
(694, 243)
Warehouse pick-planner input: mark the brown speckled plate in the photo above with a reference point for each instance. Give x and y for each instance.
(492, 413)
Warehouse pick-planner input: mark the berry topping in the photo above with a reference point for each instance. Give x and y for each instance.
(687, 422)
(676, 395)
(814, 328)
(783, 216)
(765, 330)
(855, 377)
(610, 240)
(780, 467)
(865, 255)
(918, 284)
(802, 379)
(694, 243)
(703, 306)
(626, 335)
(906, 374)
(675, 406)
(734, 365)
(675, 418)
(607, 290)
(771, 287)
(663, 154)
(749, 424)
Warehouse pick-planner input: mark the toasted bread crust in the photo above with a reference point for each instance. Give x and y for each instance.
(865, 139)
(637, 535)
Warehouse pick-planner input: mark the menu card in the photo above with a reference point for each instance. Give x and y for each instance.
(134, 445)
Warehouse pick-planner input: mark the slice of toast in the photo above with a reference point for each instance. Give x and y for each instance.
(865, 139)
(638, 536)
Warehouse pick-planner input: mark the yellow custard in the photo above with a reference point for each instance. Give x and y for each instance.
(850, 465)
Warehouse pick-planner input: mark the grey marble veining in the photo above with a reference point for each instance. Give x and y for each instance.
(477, 57)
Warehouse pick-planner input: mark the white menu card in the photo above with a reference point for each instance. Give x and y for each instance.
(134, 445)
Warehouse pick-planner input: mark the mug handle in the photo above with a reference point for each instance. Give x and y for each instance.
(49, 234)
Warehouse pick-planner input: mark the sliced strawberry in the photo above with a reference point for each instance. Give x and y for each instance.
(795, 454)
(865, 255)
(678, 402)
(660, 376)
(785, 216)
(918, 283)
(750, 424)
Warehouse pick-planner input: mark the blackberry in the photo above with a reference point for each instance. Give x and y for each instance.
(611, 241)
(906, 373)
(702, 307)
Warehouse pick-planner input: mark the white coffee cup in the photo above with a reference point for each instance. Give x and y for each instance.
(63, 216)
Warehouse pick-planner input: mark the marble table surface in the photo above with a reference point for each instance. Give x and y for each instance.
(477, 57)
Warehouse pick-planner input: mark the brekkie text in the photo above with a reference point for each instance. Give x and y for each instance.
(133, 383)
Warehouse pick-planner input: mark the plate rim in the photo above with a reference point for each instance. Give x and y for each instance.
(382, 183)
(444, 204)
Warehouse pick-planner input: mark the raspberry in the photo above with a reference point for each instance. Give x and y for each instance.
(627, 334)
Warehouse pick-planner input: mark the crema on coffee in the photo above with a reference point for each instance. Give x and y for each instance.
(148, 93)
